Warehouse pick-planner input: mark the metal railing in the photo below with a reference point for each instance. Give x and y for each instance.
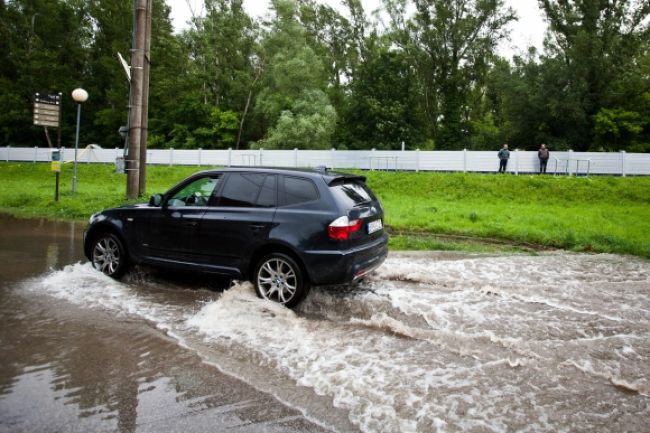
(568, 169)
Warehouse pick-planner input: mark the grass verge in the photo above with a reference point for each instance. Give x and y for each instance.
(474, 212)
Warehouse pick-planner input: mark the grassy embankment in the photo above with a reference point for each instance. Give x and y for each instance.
(423, 210)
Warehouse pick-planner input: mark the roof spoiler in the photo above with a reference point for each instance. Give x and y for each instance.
(341, 177)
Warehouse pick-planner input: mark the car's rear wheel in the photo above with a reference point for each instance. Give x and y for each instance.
(109, 255)
(280, 279)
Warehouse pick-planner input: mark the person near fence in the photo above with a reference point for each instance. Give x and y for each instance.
(504, 156)
(543, 156)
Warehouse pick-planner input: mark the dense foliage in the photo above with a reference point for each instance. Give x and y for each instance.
(422, 72)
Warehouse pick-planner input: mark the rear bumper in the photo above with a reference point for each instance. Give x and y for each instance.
(345, 266)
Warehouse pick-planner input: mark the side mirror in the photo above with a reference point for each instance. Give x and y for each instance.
(155, 200)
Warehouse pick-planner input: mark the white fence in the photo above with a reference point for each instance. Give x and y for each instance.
(613, 163)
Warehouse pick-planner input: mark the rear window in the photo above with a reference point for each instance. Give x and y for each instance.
(352, 193)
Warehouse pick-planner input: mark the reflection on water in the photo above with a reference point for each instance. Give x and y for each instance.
(33, 246)
(65, 368)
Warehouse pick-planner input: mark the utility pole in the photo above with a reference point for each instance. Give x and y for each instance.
(145, 103)
(137, 98)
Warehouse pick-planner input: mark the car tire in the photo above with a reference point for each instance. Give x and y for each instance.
(280, 279)
(109, 255)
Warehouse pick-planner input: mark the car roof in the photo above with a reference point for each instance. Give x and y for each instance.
(327, 175)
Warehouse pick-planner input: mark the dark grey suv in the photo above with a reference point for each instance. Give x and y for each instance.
(282, 229)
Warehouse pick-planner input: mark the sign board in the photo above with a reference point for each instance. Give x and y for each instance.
(55, 166)
(47, 109)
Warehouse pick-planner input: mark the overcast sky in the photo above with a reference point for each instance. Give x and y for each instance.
(529, 30)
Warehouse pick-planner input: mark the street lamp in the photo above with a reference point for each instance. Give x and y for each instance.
(79, 95)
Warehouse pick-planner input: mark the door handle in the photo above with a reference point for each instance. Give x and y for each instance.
(257, 227)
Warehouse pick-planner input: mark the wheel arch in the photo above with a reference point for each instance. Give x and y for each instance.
(98, 229)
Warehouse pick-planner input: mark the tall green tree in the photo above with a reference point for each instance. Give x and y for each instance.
(293, 100)
(382, 110)
(106, 82)
(224, 62)
(457, 39)
(598, 41)
(42, 48)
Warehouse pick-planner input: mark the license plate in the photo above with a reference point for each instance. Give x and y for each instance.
(373, 226)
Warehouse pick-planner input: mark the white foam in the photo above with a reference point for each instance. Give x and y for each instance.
(84, 286)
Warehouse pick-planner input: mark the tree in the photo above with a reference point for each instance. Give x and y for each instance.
(457, 40)
(597, 41)
(293, 100)
(383, 110)
(109, 87)
(42, 48)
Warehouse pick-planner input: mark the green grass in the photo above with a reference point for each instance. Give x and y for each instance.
(601, 214)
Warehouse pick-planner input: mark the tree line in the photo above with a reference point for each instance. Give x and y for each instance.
(425, 73)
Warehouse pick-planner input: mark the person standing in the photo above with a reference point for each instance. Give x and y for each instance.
(504, 156)
(543, 156)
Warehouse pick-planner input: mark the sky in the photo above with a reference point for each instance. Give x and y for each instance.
(529, 30)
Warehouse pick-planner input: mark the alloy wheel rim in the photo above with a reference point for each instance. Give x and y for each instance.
(106, 256)
(277, 281)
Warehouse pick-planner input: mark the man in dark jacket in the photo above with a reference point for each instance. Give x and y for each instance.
(543, 156)
(504, 156)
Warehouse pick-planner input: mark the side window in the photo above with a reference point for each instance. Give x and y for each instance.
(196, 193)
(298, 190)
(241, 189)
(268, 195)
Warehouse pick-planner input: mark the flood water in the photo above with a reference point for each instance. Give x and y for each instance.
(431, 342)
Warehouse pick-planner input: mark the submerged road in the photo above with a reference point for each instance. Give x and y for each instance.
(430, 342)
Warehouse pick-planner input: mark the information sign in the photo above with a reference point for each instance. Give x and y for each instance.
(47, 109)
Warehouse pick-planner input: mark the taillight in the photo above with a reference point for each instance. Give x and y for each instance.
(341, 228)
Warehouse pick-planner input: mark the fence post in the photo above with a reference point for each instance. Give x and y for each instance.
(623, 163)
(171, 156)
(417, 160)
(295, 156)
(516, 162)
(568, 163)
(372, 156)
(117, 153)
(35, 153)
(333, 156)
(8, 147)
(62, 155)
(200, 156)
(464, 160)
(260, 156)
(229, 156)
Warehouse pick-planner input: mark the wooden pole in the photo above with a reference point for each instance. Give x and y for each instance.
(56, 186)
(145, 104)
(135, 110)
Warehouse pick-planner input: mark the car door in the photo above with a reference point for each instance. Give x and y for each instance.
(241, 219)
(170, 232)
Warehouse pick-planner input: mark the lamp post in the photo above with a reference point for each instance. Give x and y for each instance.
(79, 95)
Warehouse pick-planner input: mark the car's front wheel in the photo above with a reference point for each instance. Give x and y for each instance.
(280, 279)
(109, 255)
